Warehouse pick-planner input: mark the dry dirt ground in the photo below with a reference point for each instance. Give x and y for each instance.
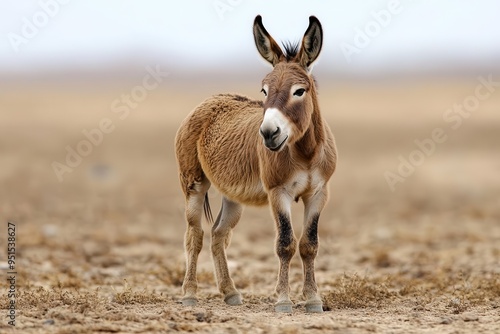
(102, 251)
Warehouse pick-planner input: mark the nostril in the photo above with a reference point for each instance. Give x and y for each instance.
(266, 134)
(269, 134)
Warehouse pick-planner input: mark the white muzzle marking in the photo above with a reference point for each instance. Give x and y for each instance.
(275, 129)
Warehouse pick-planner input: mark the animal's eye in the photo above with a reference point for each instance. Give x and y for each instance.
(299, 92)
(264, 91)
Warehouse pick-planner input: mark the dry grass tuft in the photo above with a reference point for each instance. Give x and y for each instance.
(41, 298)
(470, 291)
(352, 292)
(129, 296)
(460, 291)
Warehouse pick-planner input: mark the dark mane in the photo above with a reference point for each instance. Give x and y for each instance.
(291, 49)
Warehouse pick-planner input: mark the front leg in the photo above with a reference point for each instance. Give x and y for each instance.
(308, 247)
(286, 245)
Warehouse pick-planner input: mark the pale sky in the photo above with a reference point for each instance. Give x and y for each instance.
(194, 34)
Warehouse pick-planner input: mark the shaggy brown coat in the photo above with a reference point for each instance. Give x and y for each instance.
(221, 143)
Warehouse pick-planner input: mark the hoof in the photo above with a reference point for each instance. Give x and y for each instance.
(233, 299)
(315, 306)
(189, 301)
(283, 307)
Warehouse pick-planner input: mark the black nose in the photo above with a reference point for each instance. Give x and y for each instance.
(270, 135)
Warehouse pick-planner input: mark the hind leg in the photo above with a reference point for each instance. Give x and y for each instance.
(193, 239)
(227, 219)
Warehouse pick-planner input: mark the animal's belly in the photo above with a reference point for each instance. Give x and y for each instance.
(250, 194)
(239, 188)
(235, 175)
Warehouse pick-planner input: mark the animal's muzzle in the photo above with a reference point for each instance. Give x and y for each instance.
(272, 138)
(274, 129)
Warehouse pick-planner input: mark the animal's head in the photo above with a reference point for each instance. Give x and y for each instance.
(289, 89)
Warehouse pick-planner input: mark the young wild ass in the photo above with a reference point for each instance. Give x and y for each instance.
(255, 153)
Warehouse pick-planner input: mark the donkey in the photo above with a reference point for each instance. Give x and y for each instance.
(255, 153)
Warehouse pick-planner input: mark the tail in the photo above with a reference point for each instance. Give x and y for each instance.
(208, 210)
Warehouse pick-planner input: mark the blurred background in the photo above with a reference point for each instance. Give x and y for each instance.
(92, 93)
(85, 38)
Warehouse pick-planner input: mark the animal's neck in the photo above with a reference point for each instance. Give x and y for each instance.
(307, 146)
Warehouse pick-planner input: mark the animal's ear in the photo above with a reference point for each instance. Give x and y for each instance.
(311, 43)
(267, 46)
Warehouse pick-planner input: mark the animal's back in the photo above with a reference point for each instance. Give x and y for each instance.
(219, 140)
